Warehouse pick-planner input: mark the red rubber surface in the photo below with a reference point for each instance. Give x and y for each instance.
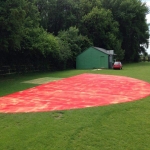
(86, 90)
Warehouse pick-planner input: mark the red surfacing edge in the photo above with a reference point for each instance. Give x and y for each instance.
(81, 91)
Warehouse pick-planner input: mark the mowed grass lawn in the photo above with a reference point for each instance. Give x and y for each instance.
(115, 127)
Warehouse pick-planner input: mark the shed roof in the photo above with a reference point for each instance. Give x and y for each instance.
(108, 52)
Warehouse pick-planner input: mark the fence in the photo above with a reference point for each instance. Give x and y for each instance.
(7, 70)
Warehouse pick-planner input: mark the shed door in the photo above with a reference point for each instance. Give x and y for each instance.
(102, 61)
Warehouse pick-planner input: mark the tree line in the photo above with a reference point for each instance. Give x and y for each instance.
(46, 33)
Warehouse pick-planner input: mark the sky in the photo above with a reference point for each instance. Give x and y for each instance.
(148, 19)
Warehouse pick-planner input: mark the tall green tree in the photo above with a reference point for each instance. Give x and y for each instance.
(12, 16)
(57, 15)
(75, 41)
(62, 14)
(130, 14)
(104, 32)
(18, 20)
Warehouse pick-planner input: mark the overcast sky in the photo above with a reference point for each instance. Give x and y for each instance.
(148, 18)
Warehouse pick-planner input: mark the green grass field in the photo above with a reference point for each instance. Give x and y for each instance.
(115, 127)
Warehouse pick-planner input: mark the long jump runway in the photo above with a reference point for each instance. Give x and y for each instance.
(81, 91)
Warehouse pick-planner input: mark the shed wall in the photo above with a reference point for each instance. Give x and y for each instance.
(92, 58)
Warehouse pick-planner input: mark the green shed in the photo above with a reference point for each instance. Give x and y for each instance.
(94, 58)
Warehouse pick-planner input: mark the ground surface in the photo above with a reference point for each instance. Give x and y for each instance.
(42, 80)
(85, 90)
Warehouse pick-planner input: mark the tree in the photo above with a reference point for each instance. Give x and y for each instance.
(18, 19)
(62, 14)
(104, 32)
(133, 29)
(57, 15)
(12, 16)
(64, 54)
(75, 41)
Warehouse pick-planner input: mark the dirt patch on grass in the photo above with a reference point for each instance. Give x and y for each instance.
(42, 80)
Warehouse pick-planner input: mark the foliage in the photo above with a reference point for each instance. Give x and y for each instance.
(104, 32)
(18, 19)
(54, 32)
(133, 29)
(12, 15)
(75, 41)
